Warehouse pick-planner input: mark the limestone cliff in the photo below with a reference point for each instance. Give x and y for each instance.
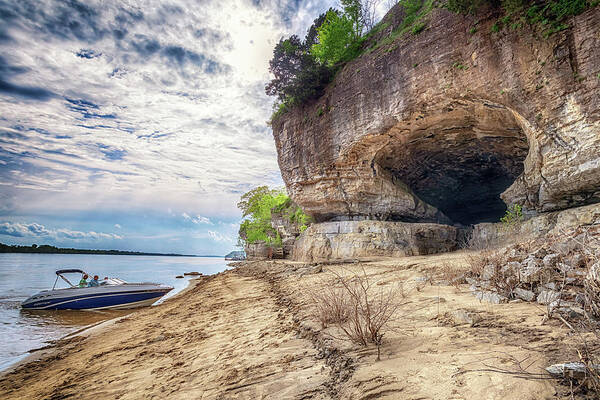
(448, 127)
(440, 126)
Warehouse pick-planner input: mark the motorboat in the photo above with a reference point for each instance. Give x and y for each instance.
(111, 293)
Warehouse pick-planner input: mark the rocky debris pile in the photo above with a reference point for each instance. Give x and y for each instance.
(561, 272)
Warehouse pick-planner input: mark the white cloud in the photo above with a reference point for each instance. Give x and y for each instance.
(160, 126)
(199, 219)
(16, 229)
(218, 237)
(138, 107)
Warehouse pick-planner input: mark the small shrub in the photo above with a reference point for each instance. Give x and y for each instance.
(418, 28)
(320, 111)
(279, 110)
(454, 275)
(495, 28)
(330, 305)
(459, 65)
(360, 307)
(464, 6)
(473, 30)
(512, 217)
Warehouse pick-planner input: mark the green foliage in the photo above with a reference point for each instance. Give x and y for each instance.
(353, 11)
(298, 217)
(278, 110)
(459, 65)
(339, 39)
(465, 6)
(320, 111)
(513, 216)
(48, 249)
(258, 205)
(297, 75)
(473, 30)
(550, 15)
(418, 28)
(414, 12)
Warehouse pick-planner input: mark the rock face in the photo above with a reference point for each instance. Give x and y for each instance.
(257, 251)
(553, 223)
(287, 230)
(439, 127)
(355, 239)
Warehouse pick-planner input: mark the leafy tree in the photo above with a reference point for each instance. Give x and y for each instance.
(512, 217)
(336, 39)
(339, 37)
(257, 205)
(353, 10)
(298, 76)
(250, 202)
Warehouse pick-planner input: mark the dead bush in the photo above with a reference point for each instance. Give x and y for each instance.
(329, 304)
(454, 275)
(359, 306)
(489, 267)
(477, 263)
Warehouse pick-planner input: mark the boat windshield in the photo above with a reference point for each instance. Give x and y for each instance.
(61, 274)
(106, 281)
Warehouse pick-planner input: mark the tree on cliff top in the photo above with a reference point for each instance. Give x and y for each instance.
(297, 75)
(338, 39)
(302, 68)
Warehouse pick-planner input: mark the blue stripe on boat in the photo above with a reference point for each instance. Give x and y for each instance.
(96, 300)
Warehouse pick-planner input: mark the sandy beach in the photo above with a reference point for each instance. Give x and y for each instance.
(249, 333)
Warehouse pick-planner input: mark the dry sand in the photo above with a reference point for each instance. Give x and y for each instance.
(248, 333)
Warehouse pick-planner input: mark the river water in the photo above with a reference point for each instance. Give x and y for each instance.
(22, 275)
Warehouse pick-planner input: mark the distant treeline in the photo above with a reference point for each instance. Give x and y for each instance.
(44, 248)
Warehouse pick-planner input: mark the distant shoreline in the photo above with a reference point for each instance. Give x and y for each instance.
(46, 249)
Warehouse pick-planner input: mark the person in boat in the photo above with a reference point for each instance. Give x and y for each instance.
(94, 282)
(83, 282)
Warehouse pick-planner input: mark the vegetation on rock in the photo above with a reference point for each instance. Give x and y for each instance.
(513, 216)
(551, 16)
(257, 207)
(303, 68)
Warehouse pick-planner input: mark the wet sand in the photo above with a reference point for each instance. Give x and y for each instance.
(248, 333)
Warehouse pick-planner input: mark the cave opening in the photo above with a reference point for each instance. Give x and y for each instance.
(460, 162)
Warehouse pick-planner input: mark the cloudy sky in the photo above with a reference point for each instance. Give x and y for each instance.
(137, 124)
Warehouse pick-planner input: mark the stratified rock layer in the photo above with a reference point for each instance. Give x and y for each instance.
(356, 239)
(434, 127)
(552, 223)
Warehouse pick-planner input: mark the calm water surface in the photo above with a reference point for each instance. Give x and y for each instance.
(22, 275)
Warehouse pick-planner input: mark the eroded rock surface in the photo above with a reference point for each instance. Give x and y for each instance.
(435, 127)
(355, 239)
